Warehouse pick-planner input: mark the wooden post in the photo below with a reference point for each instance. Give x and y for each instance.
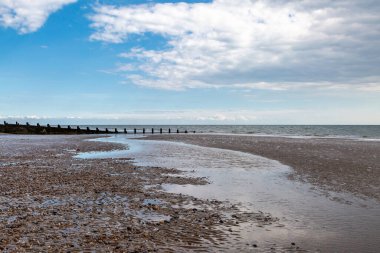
(160, 130)
(152, 130)
(177, 131)
(107, 130)
(17, 124)
(97, 130)
(116, 132)
(88, 130)
(143, 130)
(134, 131)
(185, 131)
(125, 131)
(69, 127)
(169, 131)
(59, 126)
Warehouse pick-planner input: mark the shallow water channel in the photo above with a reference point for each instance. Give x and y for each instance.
(309, 217)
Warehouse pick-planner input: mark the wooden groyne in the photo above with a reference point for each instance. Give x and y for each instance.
(58, 129)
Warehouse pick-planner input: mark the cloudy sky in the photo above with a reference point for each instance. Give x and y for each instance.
(190, 62)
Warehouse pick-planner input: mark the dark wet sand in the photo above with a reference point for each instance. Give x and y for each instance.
(50, 202)
(333, 164)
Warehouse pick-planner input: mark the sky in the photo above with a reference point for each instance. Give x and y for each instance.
(190, 62)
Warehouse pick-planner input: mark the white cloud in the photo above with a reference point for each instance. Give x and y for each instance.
(28, 16)
(198, 116)
(249, 43)
(207, 116)
(167, 116)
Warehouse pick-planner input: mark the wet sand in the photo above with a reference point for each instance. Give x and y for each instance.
(52, 202)
(317, 220)
(331, 164)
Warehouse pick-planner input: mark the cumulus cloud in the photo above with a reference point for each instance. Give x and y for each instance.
(261, 44)
(28, 16)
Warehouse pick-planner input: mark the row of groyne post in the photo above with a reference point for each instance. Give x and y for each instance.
(27, 128)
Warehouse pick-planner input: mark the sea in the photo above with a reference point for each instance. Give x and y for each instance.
(369, 132)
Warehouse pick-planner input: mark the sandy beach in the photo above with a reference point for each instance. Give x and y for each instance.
(332, 164)
(52, 202)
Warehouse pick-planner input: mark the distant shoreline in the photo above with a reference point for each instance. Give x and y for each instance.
(351, 132)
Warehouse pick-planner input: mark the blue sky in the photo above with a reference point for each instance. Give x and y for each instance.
(190, 62)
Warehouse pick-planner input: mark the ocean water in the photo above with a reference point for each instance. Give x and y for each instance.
(329, 131)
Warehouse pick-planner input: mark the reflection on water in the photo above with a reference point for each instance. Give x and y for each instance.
(307, 216)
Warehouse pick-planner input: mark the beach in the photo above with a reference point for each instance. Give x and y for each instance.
(73, 193)
(330, 163)
(52, 202)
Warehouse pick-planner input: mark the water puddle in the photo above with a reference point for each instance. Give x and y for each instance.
(150, 202)
(6, 164)
(149, 216)
(306, 215)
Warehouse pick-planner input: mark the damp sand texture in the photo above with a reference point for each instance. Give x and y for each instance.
(65, 193)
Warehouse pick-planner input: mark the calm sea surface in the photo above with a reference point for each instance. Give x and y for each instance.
(336, 131)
